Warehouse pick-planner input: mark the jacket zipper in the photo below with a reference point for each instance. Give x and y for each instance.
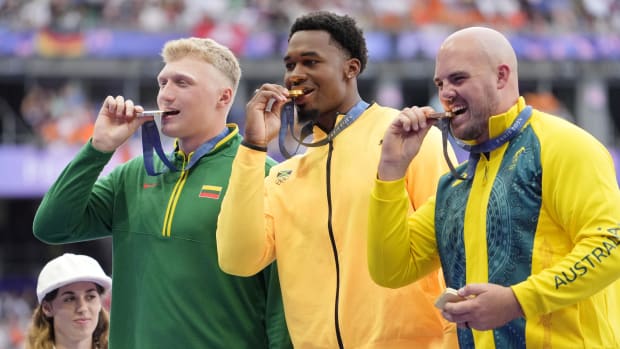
(174, 199)
(333, 243)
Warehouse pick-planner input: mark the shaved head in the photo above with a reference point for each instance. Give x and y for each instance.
(490, 43)
(476, 76)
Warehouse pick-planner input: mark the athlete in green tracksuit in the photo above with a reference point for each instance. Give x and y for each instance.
(168, 291)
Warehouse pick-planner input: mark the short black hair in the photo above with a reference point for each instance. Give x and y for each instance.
(342, 29)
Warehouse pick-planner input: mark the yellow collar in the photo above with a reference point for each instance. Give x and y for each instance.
(500, 122)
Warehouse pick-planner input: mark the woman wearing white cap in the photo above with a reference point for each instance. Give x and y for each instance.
(70, 314)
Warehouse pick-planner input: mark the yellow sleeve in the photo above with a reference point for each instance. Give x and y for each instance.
(244, 243)
(424, 171)
(397, 254)
(581, 194)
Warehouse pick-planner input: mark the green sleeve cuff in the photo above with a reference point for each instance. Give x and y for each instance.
(89, 150)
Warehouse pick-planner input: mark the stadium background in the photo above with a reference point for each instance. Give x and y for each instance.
(60, 58)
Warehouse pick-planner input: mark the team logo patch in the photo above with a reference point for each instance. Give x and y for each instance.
(282, 176)
(210, 192)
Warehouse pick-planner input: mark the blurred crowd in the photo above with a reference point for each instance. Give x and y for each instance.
(64, 114)
(202, 17)
(15, 311)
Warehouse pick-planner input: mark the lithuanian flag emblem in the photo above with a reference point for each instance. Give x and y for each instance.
(210, 192)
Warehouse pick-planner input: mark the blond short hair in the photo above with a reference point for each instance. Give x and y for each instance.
(212, 52)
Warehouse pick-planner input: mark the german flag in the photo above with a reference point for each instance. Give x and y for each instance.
(52, 44)
(210, 192)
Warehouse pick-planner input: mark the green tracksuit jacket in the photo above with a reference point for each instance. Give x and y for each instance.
(168, 291)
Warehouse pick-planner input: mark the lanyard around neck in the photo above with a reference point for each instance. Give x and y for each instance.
(484, 147)
(288, 122)
(151, 141)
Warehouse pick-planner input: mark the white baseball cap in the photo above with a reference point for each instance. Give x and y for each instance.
(67, 269)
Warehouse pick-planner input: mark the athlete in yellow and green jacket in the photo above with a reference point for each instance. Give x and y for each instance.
(531, 241)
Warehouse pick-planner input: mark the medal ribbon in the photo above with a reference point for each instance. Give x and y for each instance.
(151, 141)
(288, 122)
(484, 147)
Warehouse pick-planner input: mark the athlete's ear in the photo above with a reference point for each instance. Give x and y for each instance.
(352, 68)
(503, 75)
(226, 97)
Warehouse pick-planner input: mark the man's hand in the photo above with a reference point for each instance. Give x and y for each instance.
(116, 122)
(488, 306)
(402, 141)
(261, 123)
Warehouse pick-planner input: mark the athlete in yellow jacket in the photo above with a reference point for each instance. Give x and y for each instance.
(530, 231)
(310, 213)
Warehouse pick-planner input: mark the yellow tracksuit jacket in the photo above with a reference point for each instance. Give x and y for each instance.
(541, 214)
(310, 214)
